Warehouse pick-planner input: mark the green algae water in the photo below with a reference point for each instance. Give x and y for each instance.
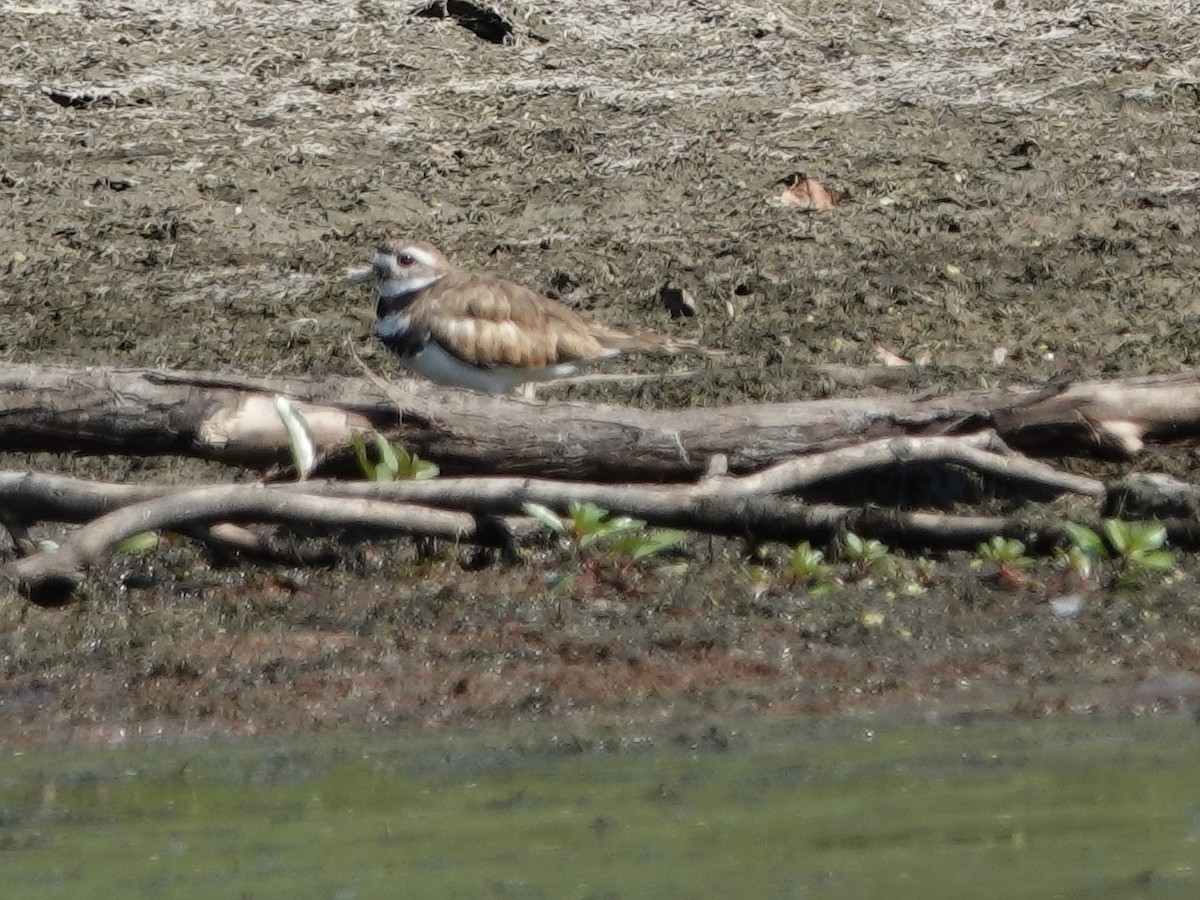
(1003, 809)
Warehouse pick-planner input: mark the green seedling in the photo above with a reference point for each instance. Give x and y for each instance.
(591, 524)
(1139, 545)
(1001, 551)
(1008, 556)
(642, 545)
(1136, 547)
(864, 554)
(1085, 553)
(587, 525)
(807, 562)
(138, 543)
(394, 462)
(809, 568)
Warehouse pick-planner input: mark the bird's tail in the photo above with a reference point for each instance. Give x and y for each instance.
(629, 341)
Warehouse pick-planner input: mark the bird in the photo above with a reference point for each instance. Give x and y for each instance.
(474, 330)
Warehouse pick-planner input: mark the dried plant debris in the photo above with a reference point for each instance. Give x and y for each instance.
(809, 194)
(114, 184)
(81, 99)
(889, 358)
(483, 21)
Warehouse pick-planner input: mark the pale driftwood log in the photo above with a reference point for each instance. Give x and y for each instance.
(233, 420)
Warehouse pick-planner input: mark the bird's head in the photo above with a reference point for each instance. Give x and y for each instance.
(402, 267)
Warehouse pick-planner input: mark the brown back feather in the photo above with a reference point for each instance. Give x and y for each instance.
(486, 321)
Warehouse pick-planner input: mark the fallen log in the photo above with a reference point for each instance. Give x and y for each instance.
(233, 419)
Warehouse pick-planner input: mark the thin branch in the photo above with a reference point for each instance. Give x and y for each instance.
(55, 573)
(983, 452)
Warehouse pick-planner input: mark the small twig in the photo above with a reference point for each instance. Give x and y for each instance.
(371, 375)
(18, 531)
(630, 378)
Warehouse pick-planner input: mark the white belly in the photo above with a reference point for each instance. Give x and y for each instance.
(442, 367)
(439, 366)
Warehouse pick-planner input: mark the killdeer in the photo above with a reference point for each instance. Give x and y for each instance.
(473, 330)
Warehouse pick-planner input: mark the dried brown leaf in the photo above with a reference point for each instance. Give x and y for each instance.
(889, 358)
(809, 194)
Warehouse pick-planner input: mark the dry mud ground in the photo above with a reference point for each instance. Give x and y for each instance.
(183, 184)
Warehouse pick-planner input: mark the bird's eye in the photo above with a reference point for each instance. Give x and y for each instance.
(405, 259)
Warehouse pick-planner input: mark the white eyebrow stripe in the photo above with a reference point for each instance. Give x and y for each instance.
(422, 256)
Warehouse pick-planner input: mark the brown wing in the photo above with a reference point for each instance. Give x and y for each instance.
(489, 322)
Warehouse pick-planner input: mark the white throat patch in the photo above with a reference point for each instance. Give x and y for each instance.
(398, 287)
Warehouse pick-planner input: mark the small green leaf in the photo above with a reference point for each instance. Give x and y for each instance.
(300, 438)
(1156, 559)
(138, 543)
(360, 453)
(641, 546)
(586, 517)
(423, 469)
(1004, 551)
(1078, 560)
(545, 515)
(403, 460)
(1118, 536)
(410, 467)
(1087, 540)
(806, 561)
(862, 550)
(1147, 536)
(388, 466)
(658, 541)
(611, 528)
